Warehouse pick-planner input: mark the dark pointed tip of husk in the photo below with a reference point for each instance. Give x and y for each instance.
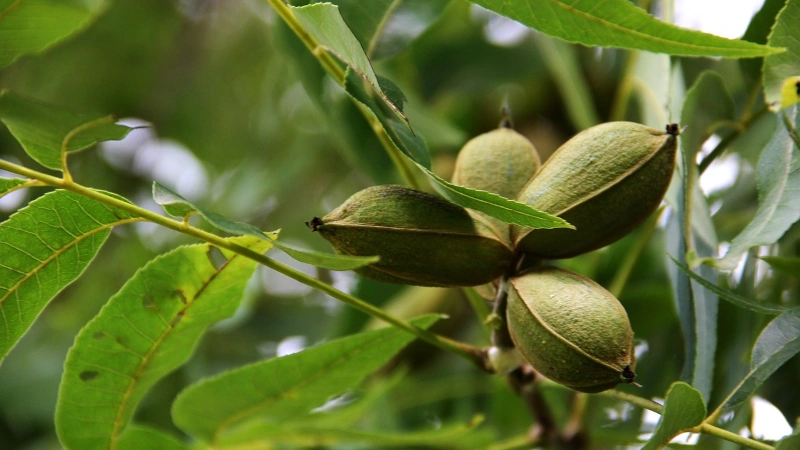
(674, 129)
(628, 375)
(314, 224)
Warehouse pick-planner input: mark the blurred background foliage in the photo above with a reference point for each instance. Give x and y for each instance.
(238, 117)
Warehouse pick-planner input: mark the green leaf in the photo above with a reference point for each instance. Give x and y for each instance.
(785, 265)
(757, 32)
(402, 22)
(33, 25)
(11, 184)
(742, 302)
(414, 148)
(777, 177)
(324, 22)
(684, 408)
(47, 132)
(777, 68)
(708, 106)
(789, 443)
(145, 331)
(619, 23)
(43, 248)
(778, 343)
(461, 436)
(697, 308)
(177, 206)
(141, 437)
(286, 387)
(386, 27)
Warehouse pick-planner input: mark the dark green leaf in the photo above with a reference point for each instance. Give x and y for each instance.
(785, 265)
(777, 68)
(325, 24)
(145, 331)
(757, 32)
(43, 248)
(141, 437)
(684, 408)
(778, 343)
(708, 105)
(789, 443)
(386, 27)
(778, 176)
(47, 132)
(619, 23)
(33, 25)
(414, 148)
(742, 302)
(286, 387)
(178, 206)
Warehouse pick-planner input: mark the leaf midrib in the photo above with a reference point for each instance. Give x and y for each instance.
(639, 34)
(118, 419)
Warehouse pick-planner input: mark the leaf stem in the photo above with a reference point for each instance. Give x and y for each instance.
(335, 70)
(473, 354)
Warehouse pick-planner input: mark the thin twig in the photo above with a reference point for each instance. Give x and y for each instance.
(473, 354)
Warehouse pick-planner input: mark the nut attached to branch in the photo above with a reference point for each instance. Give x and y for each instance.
(570, 329)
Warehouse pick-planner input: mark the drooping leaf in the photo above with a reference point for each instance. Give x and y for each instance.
(145, 331)
(287, 387)
(785, 265)
(778, 343)
(697, 308)
(324, 22)
(11, 184)
(415, 149)
(461, 436)
(708, 105)
(177, 206)
(402, 22)
(33, 25)
(777, 177)
(684, 408)
(141, 437)
(738, 300)
(757, 32)
(619, 23)
(779, 67)
(43, 248)
(47, 132)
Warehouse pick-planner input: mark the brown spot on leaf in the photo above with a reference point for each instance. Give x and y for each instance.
(99, 335)
(89, 375)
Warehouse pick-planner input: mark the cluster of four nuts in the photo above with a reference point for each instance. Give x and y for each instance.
(604, 181)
